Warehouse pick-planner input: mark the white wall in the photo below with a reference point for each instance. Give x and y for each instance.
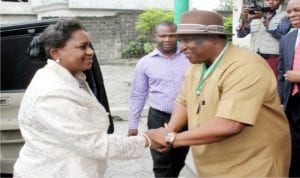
(75, 13)
(16, 12)
(12, 12)
(61, 9)
(122, 4)
(204, 4)
(15, 8)
(11, 19)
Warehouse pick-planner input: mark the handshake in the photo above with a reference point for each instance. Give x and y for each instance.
(160, 139)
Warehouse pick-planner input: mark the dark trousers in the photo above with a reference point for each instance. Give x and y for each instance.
(168, 164)
(293, 115)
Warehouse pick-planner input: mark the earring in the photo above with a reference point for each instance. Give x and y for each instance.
(57, 60)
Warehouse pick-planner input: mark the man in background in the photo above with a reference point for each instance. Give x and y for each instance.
(158, 76)
(266, 28)
(289, 82)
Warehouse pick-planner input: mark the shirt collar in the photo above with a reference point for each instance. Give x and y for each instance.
(57, 66)
(156, 52)
(298, 35)
(277, 11)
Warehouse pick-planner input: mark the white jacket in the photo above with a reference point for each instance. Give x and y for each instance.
(64, 128)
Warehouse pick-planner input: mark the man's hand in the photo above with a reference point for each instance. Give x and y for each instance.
(155, 145)
(247, 17)
(244, 15)
(292, 76)
(158, 136)
(256, 15)
(132, 132)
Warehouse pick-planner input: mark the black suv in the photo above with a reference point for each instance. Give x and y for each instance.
(16, 73)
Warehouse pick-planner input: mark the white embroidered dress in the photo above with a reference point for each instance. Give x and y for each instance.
(64, 128)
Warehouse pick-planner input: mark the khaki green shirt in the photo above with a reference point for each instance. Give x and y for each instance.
(242, 88)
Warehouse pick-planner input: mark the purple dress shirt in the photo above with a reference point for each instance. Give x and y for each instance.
(160, 78)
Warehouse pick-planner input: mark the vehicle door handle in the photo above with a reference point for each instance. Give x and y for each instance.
(5, 101)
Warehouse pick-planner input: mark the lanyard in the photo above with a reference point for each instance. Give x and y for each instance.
(206, 72)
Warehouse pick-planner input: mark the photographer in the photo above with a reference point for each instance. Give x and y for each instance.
(266, 25)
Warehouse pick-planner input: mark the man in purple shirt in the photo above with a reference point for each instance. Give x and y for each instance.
(159, 76)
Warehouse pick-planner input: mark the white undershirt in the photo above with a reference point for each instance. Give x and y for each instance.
(298, 38)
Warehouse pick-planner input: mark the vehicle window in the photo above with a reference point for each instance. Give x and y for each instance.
(17, 69)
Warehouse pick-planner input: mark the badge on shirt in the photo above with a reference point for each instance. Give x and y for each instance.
(199, 106)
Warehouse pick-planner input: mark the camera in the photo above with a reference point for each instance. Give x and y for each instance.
(253, 6)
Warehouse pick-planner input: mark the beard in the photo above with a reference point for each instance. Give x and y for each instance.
(168, 49)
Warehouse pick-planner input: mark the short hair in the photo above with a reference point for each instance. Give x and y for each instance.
(54, 36)
(163, 23)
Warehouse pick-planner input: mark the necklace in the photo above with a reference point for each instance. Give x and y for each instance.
(205, 72)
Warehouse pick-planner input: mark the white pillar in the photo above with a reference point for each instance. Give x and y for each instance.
(237, 8)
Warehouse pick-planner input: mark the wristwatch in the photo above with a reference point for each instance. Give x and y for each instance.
(170, 138)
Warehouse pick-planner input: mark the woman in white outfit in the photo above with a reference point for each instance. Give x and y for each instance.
(62, 122)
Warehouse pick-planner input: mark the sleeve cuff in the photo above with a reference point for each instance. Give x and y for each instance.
(226, 110)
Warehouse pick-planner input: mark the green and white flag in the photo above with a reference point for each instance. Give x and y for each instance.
(180, 6)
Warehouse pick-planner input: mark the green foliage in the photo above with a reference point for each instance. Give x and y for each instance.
(133, 50)
(142, 39)
(228, 24)
(143, 43)
(148, 47)
(149, 18)
(137, 48)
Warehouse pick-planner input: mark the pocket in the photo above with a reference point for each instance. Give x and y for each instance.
(254, 28)
(168, 83)
(273, 26)
(155, 120)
